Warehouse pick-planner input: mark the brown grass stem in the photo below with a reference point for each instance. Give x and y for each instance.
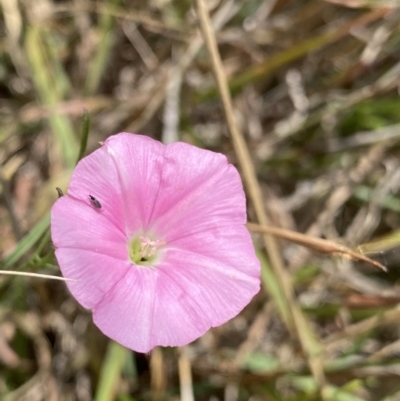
(297, 319)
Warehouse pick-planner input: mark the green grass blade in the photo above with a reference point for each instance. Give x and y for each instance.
(99, 62)
(85, 134)
(271, 285)
(111, 372)
(50, 92)
(27, 242)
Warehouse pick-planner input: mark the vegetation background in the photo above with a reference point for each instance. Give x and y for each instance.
(315, 88)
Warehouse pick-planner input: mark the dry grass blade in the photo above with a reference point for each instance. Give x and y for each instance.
(299, 322)
(34, 275)
(221, 17)
(265, 69)
(317, 244)
(390, 316)
(366, 3)
(185, 376)
(340, 195)
(383, 244)
(158, 380)
(117, 12)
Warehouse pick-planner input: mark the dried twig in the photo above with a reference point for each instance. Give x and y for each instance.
(317, 244)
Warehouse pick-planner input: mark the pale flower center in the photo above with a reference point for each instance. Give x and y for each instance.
(144, 251)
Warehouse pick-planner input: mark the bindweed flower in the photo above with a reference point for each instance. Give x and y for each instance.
(155, 237)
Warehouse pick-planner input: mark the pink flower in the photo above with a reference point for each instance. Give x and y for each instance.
(155, 237)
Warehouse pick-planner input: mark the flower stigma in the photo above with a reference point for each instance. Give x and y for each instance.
(143, 250)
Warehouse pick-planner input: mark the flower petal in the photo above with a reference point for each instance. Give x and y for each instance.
(220, 269)
(90, 249)
(139, 161)
(153, 310)
(203, 284)
(96, 274)
(77, 225)
(178, 322)
(125, 313)
(96, 175)
(231, 247)
(199, 190)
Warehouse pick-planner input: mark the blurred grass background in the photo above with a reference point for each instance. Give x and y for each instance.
(315, 88)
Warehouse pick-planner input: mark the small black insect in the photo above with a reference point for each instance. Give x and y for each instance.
(60, 192)
(95, 203)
